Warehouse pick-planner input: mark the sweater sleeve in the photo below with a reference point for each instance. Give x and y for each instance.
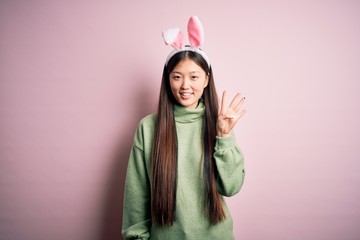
(136, 214)
(229, 161)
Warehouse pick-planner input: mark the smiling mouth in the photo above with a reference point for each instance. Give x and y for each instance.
(185, 94)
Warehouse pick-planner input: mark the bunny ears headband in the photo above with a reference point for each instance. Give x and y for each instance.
(175, 38)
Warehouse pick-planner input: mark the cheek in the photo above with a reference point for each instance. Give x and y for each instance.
(172, 84)
(199, 90)
(201, 86)
(174, 87)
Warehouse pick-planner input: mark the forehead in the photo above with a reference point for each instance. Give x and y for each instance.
(187, 65)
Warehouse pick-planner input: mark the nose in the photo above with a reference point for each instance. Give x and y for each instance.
(185, 83)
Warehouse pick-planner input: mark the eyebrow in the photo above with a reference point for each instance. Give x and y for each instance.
(189, 72)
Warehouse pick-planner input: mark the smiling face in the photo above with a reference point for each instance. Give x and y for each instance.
(187, 82)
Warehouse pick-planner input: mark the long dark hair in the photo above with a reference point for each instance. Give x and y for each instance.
(164, 155)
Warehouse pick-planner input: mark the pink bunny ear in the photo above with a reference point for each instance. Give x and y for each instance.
(195, 31)
(173, 37)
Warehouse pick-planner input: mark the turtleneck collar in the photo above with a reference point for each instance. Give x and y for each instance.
(185, 115)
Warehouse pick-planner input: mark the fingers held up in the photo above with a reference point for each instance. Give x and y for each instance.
(228, 116)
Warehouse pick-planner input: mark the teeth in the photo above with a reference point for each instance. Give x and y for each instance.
(185, 94)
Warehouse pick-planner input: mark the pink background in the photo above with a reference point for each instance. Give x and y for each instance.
(77, 76)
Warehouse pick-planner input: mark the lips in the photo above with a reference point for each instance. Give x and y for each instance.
(185, 94)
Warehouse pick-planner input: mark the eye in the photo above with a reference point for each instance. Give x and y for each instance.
(176, 77)
(194, 77)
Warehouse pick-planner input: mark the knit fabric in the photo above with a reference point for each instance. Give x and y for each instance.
(191, 221)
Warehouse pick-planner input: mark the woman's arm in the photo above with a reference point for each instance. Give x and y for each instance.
(228, 158)
(230, 165)
(136, 215)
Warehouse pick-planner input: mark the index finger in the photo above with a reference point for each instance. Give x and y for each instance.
(223, 102)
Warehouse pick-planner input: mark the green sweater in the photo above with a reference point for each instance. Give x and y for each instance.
(191, 221)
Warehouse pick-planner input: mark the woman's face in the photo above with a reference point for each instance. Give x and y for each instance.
(187, 82)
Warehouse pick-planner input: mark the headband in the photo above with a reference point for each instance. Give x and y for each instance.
(175, 38)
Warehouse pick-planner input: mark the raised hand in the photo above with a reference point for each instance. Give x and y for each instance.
(228, 116)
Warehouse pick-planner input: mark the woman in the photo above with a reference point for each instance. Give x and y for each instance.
(184, 157)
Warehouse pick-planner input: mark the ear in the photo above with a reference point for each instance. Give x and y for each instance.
(195, 32)
(206, 81)
(173, 37)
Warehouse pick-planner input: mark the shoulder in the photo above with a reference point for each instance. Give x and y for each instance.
(145, 130)
(148, 120)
